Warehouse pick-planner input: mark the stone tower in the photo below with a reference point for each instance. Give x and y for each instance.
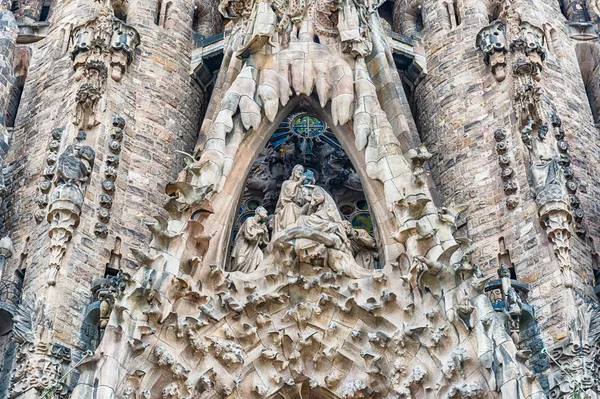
(299, 199)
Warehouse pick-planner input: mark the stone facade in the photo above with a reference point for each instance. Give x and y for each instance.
(314, 199)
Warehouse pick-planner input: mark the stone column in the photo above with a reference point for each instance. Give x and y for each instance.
(467, 111)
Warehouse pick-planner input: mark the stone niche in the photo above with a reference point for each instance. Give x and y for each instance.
(304, 139)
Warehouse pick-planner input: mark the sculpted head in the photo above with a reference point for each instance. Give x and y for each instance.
(309, 177)
(87, 153)
(318, 196)
(348, 228)
(261, 213)
(298, 172)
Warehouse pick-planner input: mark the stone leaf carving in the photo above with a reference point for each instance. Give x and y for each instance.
(578, 372)
(39, 361)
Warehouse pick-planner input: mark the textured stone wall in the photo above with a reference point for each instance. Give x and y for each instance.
(459, 107)
(161, 106)
(8, 37)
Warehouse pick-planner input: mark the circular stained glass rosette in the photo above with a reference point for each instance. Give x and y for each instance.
(362, 205)
(363, 221)
(307, 126)
(252, 204)
(347, 210)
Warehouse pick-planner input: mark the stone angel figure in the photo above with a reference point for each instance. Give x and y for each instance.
(253, 235)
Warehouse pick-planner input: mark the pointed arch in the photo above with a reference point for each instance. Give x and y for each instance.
(250, 147)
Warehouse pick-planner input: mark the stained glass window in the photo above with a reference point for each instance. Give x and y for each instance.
(307, 126)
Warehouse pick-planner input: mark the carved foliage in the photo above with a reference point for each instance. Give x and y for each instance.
(39, 362)
(302, 327)
(577, 357)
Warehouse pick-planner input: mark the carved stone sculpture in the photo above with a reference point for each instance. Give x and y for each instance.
(492, 41)
(578, 372)
(549, 174)
(100, 45)
(364, 247)
(253, 235)
(45, 186)
(303, 327)
(288, 208)
(309, 319)
(110, 173)
(508, 176)
(548, 184)
(73, 169)
(40, 362)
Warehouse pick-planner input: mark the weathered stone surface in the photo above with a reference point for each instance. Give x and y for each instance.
(465, 128)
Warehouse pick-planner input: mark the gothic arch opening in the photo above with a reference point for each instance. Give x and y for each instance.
(302, 138)
(223, 217)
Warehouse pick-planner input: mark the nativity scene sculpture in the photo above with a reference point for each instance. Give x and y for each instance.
(311, 315)
(308, 229)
